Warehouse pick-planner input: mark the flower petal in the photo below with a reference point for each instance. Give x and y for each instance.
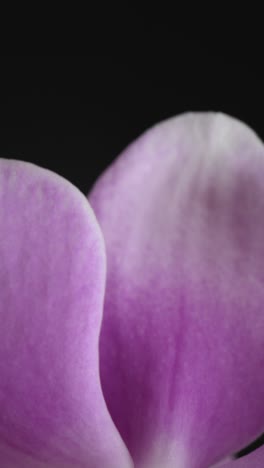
(52, 274)
(182, 213)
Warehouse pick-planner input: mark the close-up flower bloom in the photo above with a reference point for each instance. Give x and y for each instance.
(132, 323)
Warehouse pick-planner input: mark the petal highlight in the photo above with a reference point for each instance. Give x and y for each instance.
(52, 275)
(182, 213)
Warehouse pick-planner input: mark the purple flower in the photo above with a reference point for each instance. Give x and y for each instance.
(176, 288)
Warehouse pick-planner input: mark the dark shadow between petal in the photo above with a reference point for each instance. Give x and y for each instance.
(251, 447)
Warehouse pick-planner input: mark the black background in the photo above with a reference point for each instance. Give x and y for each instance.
(75, 113)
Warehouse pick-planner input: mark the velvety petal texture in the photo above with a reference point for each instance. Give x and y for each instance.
(52, 275)
(182, 343)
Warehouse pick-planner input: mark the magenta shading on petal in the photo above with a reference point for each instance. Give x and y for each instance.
(182, 343)
(52, 279)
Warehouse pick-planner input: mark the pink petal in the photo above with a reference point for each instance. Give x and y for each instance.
(182, 345)
(52, 273)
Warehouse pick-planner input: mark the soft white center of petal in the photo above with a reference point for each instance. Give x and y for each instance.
(165, 458)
